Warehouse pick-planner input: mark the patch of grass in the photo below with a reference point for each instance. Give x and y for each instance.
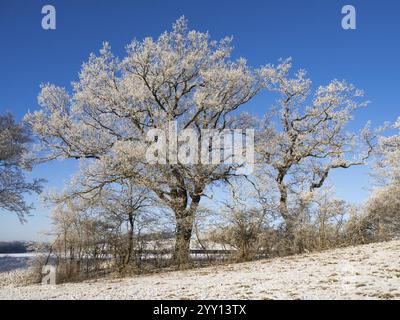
(386, 296)
(359, 285)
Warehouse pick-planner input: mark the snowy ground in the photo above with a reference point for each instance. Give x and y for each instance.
(363, 272)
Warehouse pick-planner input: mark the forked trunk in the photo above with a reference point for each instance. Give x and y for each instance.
(184, 225)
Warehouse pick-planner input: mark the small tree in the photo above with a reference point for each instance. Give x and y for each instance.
(128, 208)
(381, 220)
(13, 183)
(82, 240)
(243, 223)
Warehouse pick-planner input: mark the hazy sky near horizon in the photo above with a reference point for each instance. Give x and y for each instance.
(263, 31)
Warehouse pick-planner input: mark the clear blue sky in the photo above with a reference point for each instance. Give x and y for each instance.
(265, 30)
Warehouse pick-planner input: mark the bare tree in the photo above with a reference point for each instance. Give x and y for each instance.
(83, 241)
(130, 205)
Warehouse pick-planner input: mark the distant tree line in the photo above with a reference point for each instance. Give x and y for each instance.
(13, 247)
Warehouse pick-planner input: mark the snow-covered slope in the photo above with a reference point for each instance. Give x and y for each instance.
(364, 272)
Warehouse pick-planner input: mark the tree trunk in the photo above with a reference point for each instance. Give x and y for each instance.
(130, 243)
(183, 235)
(287, 217)
(283, 209)
(283, 195)
(185, 217)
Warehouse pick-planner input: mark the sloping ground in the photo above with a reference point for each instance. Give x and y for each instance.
(364, 272)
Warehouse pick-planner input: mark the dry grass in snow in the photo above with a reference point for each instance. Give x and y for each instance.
(363, 272)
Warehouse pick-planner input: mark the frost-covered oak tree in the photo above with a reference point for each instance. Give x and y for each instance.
(13, 183)
(182, 76)
(383, 206)
(305, 138)
(388, 167)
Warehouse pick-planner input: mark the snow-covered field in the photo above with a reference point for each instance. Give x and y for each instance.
(364, 272)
